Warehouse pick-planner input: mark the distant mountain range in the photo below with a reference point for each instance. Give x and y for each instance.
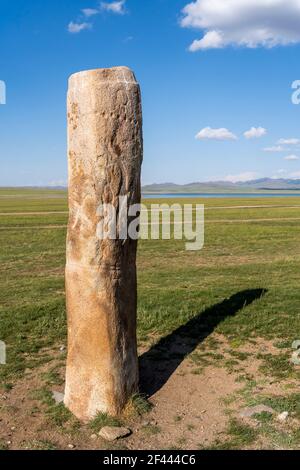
(259, 185)
(253, 186)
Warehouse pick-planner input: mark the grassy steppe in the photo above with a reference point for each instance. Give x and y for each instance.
(251, 257)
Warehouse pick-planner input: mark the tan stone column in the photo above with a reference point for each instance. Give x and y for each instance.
(105, 155)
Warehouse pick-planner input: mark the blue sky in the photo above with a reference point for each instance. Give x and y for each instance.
(203, 71)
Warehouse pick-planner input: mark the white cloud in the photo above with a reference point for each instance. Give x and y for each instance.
(275, 148)
(90, 12)
(280, 172)
(255, 133)
(211, 40)
(242, 177)
(291, 157)
(215, 134)
(75, 28)
(117, 7)
(247, 23)
(286, 174)
(288, 142)
(294, 175)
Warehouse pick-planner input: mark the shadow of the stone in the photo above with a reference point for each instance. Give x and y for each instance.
(162, 359)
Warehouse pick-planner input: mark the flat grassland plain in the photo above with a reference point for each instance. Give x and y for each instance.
(215, 329)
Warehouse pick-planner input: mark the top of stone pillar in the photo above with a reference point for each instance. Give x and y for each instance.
(110, 75)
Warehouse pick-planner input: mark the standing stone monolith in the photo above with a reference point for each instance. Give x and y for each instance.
(105, 151)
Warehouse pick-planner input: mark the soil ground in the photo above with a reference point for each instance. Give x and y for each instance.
(215, 330)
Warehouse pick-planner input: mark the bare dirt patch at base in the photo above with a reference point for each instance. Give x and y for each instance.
(198, 406)
(187, 411)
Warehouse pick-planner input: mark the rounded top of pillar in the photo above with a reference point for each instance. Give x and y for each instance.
(108, 75)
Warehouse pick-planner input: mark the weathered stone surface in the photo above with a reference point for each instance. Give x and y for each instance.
(295, 359)
(253, 410)
(296, 344)
(105, 156)
(112, 433)
(58, 397)
(282, 417)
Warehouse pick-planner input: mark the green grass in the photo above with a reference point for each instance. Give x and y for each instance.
(247, 251)
(39, 445)
(174, 285)
(139, 405)
(151, 429)
(278, 366)
(281, 439)
(239, 436)
(103, 419)
(57, 414)
(3, 445)
(290, 403)
(52, 377)
(263, 417)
